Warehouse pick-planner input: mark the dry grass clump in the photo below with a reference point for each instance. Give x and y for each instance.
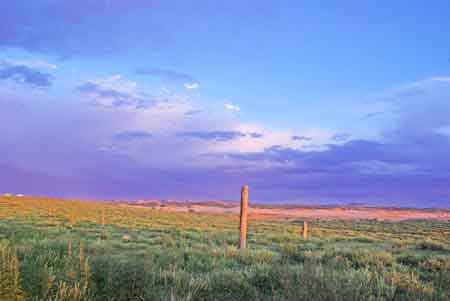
(409, 284)
(10, 280)
(367, 259)
(434, 265)
(429, 244)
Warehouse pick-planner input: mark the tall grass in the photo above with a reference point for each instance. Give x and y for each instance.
(77, 252)
(10, 282)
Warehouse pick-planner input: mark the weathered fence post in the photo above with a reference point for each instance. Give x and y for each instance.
(103, 218)
(103, 234)
(305, 230)
(243, 220)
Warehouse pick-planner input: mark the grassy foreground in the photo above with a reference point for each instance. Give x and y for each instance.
(70, 250)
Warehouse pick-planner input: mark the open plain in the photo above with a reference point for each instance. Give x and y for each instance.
(52, 249)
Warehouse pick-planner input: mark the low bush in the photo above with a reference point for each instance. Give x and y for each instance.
(428, 244)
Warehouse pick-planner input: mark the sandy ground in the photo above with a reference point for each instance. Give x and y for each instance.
(343, 213)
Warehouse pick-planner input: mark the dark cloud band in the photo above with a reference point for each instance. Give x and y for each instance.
(25, 75)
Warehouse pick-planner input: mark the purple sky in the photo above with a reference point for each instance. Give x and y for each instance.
(306, 103)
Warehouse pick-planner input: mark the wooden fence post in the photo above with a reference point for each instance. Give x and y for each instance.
(305, 230)
(243, 220)
(103, 218)
(103, 234)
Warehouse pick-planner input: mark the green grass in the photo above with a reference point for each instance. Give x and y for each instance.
(61, 254)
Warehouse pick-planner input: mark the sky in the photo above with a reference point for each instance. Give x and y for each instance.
(310, 102)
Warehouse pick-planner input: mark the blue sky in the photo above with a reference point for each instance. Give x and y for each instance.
(339, 101)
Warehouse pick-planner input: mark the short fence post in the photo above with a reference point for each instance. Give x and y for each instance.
(305, 230)
(243, 219)
(103, 218)
(103, 234)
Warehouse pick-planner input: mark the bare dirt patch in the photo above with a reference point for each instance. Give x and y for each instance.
(311, 213)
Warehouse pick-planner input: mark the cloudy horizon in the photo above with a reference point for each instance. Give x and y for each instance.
(345, 103)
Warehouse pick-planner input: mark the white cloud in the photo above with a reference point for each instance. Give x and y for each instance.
(37, 64)
(442, 79)
(114, 91)
(167, 114)
(444, 130)
(267, 137)
(192, 86)
(383, 168)
(231, 107)
(117, 83)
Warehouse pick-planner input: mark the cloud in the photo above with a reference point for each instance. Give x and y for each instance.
(25, 75)
(340, 137)
(255, 135)
(212, 135)
(132, 135)
(193, 86)
(420, 89)
(368, 170)
(168, 74)
(194, 112)
(443, 79)
(219, 135)
(34, 64)
(406, 164)
(114, 91)
(373, 114)
(231, 107)
(376, 167)
(353, 156)
(60, 27)
(301, 138)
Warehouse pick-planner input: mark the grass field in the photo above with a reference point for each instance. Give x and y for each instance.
(72, 250)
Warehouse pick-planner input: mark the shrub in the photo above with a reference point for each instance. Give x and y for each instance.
(428, 244)
(409, 260)
(435, 264)
(367, 259)
(250, 257)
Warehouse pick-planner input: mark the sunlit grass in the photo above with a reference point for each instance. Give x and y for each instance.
(72, 250)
